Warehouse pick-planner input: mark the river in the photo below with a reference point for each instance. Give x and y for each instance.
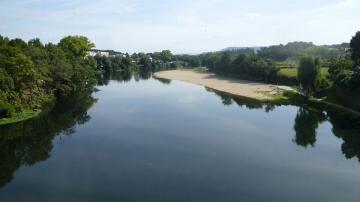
(143, 139)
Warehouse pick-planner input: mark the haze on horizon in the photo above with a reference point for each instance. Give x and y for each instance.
(182, 26)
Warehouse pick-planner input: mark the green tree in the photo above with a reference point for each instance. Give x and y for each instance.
(164, 56)
(3, 40)
(76, 46)
(211, 60)
(355, 48)
(31, 74)
(308, 71)
(144, 60)
(345, 73)
(60, 71)
(224, 64)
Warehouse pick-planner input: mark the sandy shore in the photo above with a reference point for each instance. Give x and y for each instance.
(254, 90)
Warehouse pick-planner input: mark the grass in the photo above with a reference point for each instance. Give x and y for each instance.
(21, 116)
(288, 72)
(286, 97)
(292, 72)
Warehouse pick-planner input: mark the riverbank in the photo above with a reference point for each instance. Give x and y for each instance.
(237, 87)
(19, 117)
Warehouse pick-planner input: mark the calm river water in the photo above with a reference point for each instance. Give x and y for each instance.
(152, 140)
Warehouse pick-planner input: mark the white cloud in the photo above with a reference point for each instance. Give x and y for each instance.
(182, 26)
(188, 20)
(253, 14)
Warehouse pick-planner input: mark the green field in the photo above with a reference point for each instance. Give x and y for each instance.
(292, 72)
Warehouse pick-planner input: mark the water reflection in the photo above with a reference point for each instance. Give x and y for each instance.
(307, 120)
(30, 142)
(150, 152)
(228, 99)
(347, 127)
(163, 81)
(124, 76)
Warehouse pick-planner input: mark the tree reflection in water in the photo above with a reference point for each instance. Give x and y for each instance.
(345, 126)
(30, 142)
(306, 123)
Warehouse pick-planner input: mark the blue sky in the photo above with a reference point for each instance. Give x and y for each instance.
(188, 26)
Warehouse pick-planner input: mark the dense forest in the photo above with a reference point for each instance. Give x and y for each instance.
(33, 75)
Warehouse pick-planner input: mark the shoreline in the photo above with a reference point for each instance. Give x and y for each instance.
(20, 117)
(243, 88)
(251, 90)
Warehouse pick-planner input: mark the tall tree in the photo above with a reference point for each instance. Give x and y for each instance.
(77, 46)
(307, 74)
(355, 48)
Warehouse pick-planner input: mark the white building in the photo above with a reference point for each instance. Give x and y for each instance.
(98, 53)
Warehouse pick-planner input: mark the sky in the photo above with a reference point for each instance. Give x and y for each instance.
(182, 26)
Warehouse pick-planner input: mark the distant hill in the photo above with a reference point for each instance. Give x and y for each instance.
(241, 49)
(258, 48)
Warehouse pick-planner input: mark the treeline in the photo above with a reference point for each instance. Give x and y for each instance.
(345, 71)
(265, 63)
(314, 68)
(137, 61)
(33, 74)
(245, 66)
(111, 65)
(287, 55)
(292, 52)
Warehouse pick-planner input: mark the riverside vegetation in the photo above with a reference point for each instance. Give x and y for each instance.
(113, 137)
(103, 137)
(328, 73)
(34, 75)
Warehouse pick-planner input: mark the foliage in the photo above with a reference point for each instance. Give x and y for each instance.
(345, 72)
(283, 52)
(76, 46)
(144, 60)
(308, 72)
(189, 60)
(32, 73)
(294, 51)
(211, 60)
(246, 66)
(165, 56)
(355, 48)
(111, 65)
